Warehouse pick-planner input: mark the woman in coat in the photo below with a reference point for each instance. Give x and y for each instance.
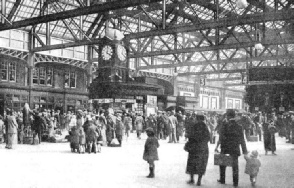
(197, 147)
(11, 127)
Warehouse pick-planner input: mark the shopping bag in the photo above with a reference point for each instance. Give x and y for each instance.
(114, 141)
(222, 159)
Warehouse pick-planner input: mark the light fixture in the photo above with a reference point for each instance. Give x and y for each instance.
(114, 34)
(258, 46)
(241, 3)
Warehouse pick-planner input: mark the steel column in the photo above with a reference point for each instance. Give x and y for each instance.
(3, 11)
(163, 14)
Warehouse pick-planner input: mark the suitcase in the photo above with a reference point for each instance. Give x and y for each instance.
(222, 159)
(28, 140)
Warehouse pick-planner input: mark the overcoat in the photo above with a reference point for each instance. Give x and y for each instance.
(11, 125)
(150, 149)
(74, 135)
(139, 122)
(252, 166)
(269, 139)
(92, 133)
(119, 128)
(110, 127)
(231, 137)
(197, 147)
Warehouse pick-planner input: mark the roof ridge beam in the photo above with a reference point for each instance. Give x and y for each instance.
(105, 7)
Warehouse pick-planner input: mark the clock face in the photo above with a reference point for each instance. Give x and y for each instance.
(121, 53)
(107, 52)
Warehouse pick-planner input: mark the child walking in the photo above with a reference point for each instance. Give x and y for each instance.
(252, 166)
(150, 151)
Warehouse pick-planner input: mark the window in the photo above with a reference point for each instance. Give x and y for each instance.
(12, 71)
(66, 79)
(73, 79)
(237, 104)
(4, 71)
(70, 79)
(205, 102)
(8, 71)
(230, 103)
(43, 76)
(35, 76)
(213, 103)
(49, 76)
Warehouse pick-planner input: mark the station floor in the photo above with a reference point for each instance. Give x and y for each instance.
(52, 165)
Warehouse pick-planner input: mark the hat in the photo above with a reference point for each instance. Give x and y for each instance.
(254, 154)
(149, 129)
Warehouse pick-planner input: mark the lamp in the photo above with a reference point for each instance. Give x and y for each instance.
(175, 73)
(241, 3)
(258, 46)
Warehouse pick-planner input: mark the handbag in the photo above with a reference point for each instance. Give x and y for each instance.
(114, 141)
(188, 146)
(222, 159)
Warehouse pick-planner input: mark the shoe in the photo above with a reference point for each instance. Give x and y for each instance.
(198, 183)
(265, 152)
(221, 182)
(274, 153)
(190, 182)
(235, 184)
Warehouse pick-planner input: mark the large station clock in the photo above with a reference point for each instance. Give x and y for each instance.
(121, 53)
(107, 52)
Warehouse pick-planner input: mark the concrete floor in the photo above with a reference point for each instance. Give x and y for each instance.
(52, 165)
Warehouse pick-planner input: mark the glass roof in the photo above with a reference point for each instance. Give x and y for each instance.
(178, 13)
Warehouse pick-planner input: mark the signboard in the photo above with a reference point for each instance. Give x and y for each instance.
(106, 100)
(120, 100)
(152, 100)
(125, 100)
(171, 98)
(139, 97)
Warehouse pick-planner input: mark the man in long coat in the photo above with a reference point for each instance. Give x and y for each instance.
(11, 127)
(173, 122)
(231, 137)
(39, 124)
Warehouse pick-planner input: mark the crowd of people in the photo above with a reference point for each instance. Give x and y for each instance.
(89, 130)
